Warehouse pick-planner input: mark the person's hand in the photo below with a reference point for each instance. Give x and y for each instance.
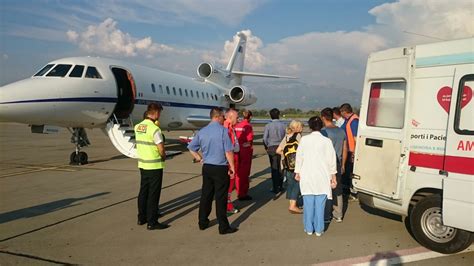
(297, 177)
(231, 173)
(333, 183)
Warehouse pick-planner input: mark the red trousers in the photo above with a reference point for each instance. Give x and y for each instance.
(243, 163)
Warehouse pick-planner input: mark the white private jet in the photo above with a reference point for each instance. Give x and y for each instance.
(90, 92)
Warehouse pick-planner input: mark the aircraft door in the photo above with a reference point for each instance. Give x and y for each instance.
(126, 92)
(380, 138)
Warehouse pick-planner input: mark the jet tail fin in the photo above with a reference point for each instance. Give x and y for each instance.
(238, 56)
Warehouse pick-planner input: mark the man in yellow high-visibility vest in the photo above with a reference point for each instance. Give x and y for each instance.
(151, 161)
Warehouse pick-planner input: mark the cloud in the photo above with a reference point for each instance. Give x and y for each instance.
(106, 39)
(408, 22)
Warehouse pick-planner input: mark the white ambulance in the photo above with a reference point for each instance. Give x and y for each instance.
(415, 145)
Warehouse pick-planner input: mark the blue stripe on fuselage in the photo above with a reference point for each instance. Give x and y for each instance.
(114, 100)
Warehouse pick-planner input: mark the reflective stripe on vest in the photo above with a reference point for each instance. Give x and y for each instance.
(350, 135)
(148, 155)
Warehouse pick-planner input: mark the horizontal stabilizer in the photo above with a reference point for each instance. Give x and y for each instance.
(251, 74)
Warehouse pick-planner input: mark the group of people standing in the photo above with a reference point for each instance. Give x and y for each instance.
(317, 166)
(314, 166)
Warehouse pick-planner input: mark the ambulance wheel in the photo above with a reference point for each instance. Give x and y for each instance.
(427, 227)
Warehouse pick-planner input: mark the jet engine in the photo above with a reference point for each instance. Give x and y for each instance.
(242, 95)
(205, 70)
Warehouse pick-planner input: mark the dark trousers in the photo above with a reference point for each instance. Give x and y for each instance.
(149, 195)
(215, 183)
(347, 176)
(275, 159)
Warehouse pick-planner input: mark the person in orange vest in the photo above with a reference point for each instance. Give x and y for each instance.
(350, 126)
(229, 123)
(244, 133)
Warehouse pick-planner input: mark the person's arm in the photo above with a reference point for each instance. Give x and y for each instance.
(193, 148)
(354, 127)
(265, 136)
(230, 159)
(281, 146)
(299, 160)
(344, 157)
(249, 136)
(197, 157)
(161, 150)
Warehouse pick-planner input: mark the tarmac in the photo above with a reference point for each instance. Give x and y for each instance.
(55, 213)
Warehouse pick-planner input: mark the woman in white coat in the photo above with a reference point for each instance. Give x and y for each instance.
(316, 170)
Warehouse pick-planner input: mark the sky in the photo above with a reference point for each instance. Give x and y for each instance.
(325, 43)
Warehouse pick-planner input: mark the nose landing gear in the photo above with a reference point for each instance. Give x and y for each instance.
(79, 138)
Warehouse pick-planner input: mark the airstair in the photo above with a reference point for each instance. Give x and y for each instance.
(122, 135)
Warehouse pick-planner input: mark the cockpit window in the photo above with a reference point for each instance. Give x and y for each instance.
(92, 73)
(59, 71)
(44, 70)
(77, 71)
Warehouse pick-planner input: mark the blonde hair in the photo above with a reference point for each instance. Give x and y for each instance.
(294, 126)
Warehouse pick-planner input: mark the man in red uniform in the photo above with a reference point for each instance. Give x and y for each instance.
(244, 133)
(229, 123)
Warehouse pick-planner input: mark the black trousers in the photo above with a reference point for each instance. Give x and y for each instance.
(149, 195)
(347, 177)
(215, 184)
(275, 159)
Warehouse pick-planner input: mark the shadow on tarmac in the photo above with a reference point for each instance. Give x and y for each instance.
(392, 256)
(44, 208)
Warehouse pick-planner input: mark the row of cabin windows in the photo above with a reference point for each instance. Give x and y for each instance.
(61, 70)
(186, 93)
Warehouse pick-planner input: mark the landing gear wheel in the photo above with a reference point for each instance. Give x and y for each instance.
(78, 158)
(427, 226)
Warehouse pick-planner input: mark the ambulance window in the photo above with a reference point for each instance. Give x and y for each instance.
(161, 88)
(186, 92)
(464, 117)
(92, 73)
(386, 104)
(153, 87)
(59, 71)
(44, 70)
(167, 90)
(77, 71)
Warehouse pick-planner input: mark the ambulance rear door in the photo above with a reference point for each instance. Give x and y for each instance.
(380, 141)
(458, 186)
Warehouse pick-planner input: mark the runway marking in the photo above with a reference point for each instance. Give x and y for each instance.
(38, 169)
(395, 257)
(33, 257)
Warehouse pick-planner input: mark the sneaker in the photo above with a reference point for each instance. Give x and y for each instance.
(309, 233)
(233, 211)
(352, 198)
(318, 234)
(338, 220)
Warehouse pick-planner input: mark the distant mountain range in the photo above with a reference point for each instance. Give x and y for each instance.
(284, 94)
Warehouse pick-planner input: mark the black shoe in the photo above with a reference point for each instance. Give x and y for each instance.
(157, 226)
(246, 198)
(203, 226)
(140, 222)
(229, 230)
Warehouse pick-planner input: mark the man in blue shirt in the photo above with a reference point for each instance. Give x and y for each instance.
(350, 126)
(217, 156)
(272, 136)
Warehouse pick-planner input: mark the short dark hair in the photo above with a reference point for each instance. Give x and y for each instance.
(275, 113)
(327, 113)
(216, 111)
(315, 123)
(346, 108)
(153, 107)
(336, 111)
(247, 114)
